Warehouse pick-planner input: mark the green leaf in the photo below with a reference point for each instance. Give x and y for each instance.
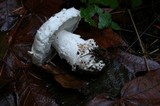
(104, 20)
(136, 3)
(113, 4)
(115, 26)
(89, 12)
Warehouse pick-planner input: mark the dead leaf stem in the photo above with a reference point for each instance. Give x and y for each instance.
(12, 34)
(139, 39)
(144, 32)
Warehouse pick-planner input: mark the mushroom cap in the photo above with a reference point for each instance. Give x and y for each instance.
(66, 19)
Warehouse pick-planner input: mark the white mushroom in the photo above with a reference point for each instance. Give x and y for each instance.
(57, 33)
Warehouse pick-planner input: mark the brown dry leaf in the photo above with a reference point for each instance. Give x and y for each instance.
(18, 71)
(8, 100)
(135, 63)
(102, 100)
(65, 79)
(44, 7)
(142, 91)
(132, 62)
(31, 89)
(105, 38)
(6, 74)
(108, 38)
(24, 83)
(3, 45)
(8, 19)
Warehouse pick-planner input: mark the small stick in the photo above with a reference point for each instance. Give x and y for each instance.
(154, 51)
(144, 32)
(139, 39)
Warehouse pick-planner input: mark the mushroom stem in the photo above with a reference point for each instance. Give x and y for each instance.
(77, 51)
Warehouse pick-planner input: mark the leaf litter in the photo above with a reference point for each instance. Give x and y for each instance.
(8, 18)
(22, 83)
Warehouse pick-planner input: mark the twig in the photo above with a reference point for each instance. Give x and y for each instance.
(155, 41)
(154, 51)
(12, 34)
(144, 32)
(1, 70)
(139, 39)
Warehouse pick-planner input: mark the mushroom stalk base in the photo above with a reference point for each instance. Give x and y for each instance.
(77, 51)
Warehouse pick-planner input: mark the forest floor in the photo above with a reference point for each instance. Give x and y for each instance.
(132, 56)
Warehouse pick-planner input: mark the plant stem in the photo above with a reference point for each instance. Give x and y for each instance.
(144, 32)
(139, 39)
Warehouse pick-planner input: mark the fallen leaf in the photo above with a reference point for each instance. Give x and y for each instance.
(18, 70)
(44, 7)
(3, 45)
(6, 72)
(65, 79)
(7, 18)
(108, 38)
(142, 91)
(31, 89)
(132, 62)
(102, 100)
(110, 81)
(7, 99)
(105, 38)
